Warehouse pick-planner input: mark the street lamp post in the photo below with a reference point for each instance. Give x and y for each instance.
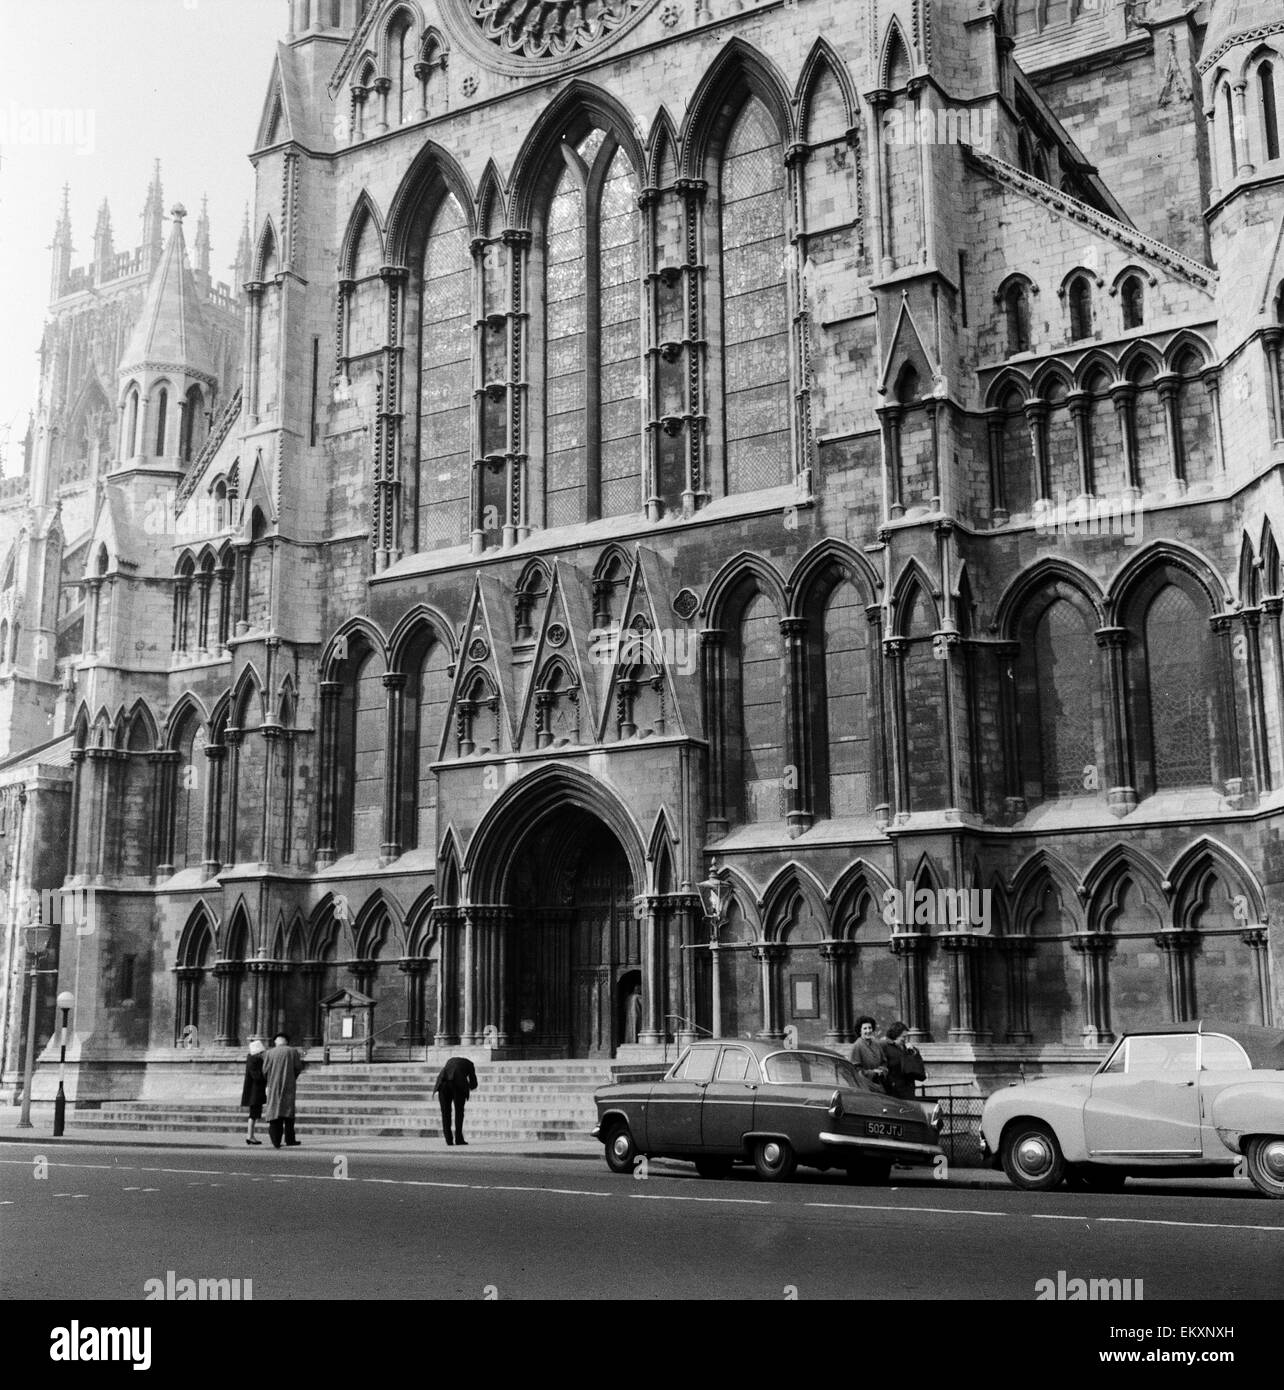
(40, 936)
(713, 898)
(65, 1000)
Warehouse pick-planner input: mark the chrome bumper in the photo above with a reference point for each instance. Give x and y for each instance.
(891, 1146)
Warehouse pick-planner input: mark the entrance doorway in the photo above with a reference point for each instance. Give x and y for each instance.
(578, 945)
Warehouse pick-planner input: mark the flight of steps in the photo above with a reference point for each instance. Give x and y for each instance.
(530, 1101)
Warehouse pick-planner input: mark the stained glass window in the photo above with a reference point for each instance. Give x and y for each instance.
(445, 439)
(847, 702)
(761, 713)
(755, 314)
(566, 358)
(1179, 661)
(1065, 655)
(620, 328)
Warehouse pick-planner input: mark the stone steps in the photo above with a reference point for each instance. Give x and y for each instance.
(528, 1101)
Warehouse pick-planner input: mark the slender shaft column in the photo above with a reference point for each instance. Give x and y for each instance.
(1019, 951)
(713, 656)
(470, 1034)
(1080, 405)
(879, 777)
(798, 789)
(834, 956)
(227, 973)
(910, 949)
(1271, 340)
(1095, 948)
(770, 955)
(1178, 949)
(1005, 657)
(329, 788)
(1121, 792)
(962, 950)
(1251, 619)
(1169, 388)
(215, 754)
(1124, 396)
(1212, 379)
(652, 1032)
(394, 682)
(1036, 417)
(1255, 939)
(895, 649)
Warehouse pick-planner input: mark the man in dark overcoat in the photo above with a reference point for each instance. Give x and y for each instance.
(281, 1067)
(455, 1082)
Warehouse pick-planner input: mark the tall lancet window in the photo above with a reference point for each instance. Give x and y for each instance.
(593, 336)
(755, 308)
(445, 418)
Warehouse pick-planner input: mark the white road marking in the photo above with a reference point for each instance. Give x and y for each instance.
(1044, 1216)
(1190, 1225)
(560, 1191)
(675, 1197)
(870, 1206)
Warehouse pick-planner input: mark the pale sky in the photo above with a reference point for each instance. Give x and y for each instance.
(182, 81)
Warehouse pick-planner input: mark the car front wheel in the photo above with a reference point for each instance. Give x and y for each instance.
(1032, 1157)
(1265, 1156)
(620, 1148)
(774, 1159)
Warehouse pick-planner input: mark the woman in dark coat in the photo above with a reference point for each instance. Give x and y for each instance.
(254, 1092)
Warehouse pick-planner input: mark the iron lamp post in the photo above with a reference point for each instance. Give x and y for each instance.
(65, 1000)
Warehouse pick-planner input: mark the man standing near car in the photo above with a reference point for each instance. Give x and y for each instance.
(867, 1055)
(455, 1082)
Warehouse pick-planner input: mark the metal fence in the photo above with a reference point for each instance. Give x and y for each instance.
(961, 1136)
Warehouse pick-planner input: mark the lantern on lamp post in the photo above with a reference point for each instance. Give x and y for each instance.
(38, 939)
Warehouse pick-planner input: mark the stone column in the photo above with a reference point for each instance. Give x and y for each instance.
(1124, 395)
(1005, 657)
(413, 970)
(998, 483)
(1271, 340)
(835, 955)
(714, 659)
(770, 955)
(313, 973)
(910, 949)
(1169, 388)
(470, 1036)
(895, 649)
(1095, 948)
(394, 682)
(188, 988)
(227, 974)
(963, 951)
(878, 770)
(232, 738)
(1226, 735)
(215, 754)
(1018, 951)
(448, 976)
(692, 193)
(1255, 939)
(329, 779)
(1178, 947)
(798, 798)
(1036, 417)
(1212, 379)
(1121, 793)
(74, 836)
(1080, 406)
(891, 416)
(652, 1031)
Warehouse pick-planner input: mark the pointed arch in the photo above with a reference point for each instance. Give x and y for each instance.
(858, 879)
(492, 199)
(823, 59)
(1191, 866)
(662, 852)
(825, 564)
(1045, 574)
(248, 684)
(740, 569)
(266, 249)
(661, 148)
(237, 940)
(568, 117)
(1135, 571)
(433, 173)
(1187, 345)
(793, 880)
(738, 71)
(364, 631)
(1026, 887)
(196, 940)
(368, 934)
(142, 731)
(365, 212)
(914, 581)
(896, 64)
(420, 622)
(1103, 880)
(1005, 384)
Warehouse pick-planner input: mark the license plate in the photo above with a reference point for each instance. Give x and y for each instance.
(884, 1129)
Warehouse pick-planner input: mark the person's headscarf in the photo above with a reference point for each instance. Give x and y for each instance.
(256, 1047)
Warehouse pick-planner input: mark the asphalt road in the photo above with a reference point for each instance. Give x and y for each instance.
(457, 1225)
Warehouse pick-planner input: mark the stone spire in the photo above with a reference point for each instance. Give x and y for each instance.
(104, 246)
(170, 333)
(153, 221)
(61, 246)
(203, 244)
(244, 255)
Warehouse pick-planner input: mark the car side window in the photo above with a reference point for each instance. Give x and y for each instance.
(1166, 1053)
(700, 1062)
(1220, 1053)
(1115, 1065)
(785, 1068)
(733, 1065)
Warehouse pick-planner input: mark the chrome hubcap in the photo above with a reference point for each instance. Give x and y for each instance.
(1034, 1155)
(620, 1146)
(1273, 1159)
(772, 1153)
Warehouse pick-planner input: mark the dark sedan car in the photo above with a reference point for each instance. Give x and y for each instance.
(736, 1098)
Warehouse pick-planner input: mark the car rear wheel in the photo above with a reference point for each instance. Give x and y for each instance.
(869, 1172)
(714, 1167)
(774, 1159)
(1085, 1177)
(620, 1148)
(1031, 1156)
(1265, 1156)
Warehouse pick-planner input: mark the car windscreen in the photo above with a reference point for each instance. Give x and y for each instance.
(815, 1068)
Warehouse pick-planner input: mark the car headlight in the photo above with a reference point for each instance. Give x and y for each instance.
(836, 1105)
(936, 1119)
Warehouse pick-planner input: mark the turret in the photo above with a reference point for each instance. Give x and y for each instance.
(241, 267)
(153, 221)
(104, 247)
(61, 248)
(1243, 91)
(203, 246)
(307, 16)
